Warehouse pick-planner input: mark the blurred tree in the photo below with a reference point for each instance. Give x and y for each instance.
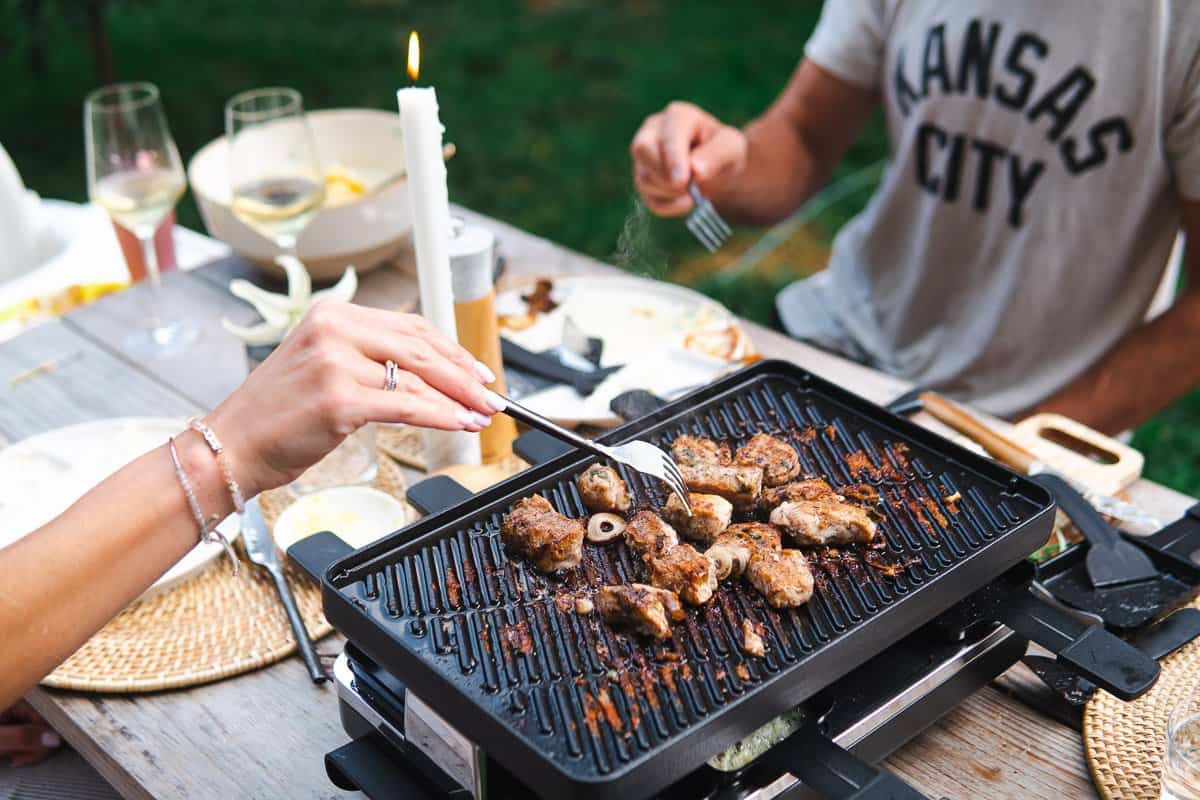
(93, 14)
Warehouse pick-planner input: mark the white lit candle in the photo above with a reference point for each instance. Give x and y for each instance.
(428, 196)
(430, 203)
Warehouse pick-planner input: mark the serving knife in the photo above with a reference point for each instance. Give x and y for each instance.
(260, 548)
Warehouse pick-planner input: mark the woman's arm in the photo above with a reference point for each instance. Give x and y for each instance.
(1151, 367)
(63, 582)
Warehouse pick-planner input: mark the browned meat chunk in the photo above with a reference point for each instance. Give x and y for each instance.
(602, 489)
(647, 533)
(776, 457)
(807, 489)
(782, 577)
(752, 643)
(734, 549)
(644, 609)
(710, 515)
(683, 570)
(693, 450)
(827, 521)
(535, 530)
(739, 485)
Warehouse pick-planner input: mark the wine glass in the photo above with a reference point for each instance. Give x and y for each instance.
(277, 182)
(134, 173)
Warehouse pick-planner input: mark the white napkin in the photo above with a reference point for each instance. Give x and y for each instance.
(23, 230)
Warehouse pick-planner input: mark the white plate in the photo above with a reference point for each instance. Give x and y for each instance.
(43, 475)
(359, 515)
(643, 323)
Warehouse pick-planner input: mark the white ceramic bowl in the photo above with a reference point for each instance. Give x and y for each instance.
(362, 233)
(359, 515)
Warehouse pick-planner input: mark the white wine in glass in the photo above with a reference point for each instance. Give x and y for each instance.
(135, 174)
(276, 177)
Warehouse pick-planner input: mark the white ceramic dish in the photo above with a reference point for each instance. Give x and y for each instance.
(42, 475)
(645, 325)
(362, 233)
(359, 515)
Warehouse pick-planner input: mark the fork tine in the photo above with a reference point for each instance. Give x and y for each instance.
(719, 221)
(712, 221)
(694, 226)
(673, 468)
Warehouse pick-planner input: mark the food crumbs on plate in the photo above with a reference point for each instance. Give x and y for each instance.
(742, 671)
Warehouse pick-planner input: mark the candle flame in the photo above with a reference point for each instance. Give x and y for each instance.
(414, 56)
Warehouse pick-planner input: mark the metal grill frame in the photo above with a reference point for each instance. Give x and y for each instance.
(442, 685)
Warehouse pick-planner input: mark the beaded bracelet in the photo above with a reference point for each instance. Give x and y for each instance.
(207, 534)
(214, 444)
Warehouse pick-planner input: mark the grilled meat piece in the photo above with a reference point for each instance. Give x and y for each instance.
(683, 570)
(739, 544)
(752, 643)
(777, 458)
(782, 577)
(601, 489)
(647, 533)
(645, 609)
(806, 489)
(737, 484)
(535, 530)
(826, 521)
(710, 515)
(693, 450)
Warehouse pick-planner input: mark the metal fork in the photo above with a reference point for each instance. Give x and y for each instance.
(705, 223)
(642, 457)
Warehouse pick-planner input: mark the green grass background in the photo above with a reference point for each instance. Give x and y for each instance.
(540, 96)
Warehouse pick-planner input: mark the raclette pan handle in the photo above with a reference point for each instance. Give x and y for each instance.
(370, 765)
(833, 772)
(317, 553)
(1104, 659)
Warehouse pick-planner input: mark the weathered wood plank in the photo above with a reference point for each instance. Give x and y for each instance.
(93, 383)
(993, 747)
(262, 735)
(213, 366)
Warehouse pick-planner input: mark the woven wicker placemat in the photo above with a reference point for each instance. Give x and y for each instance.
(404, 443)
(1125, 742)
(211, 627)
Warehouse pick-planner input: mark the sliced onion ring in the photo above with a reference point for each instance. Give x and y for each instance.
(604, 528)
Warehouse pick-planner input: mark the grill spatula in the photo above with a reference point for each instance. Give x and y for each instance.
(1111, 561)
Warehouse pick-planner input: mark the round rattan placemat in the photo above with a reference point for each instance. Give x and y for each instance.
(1125, 742)
(211, 627)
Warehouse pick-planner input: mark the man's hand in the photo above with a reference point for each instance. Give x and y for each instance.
(679, 144)
(25, 738)
(760, 174)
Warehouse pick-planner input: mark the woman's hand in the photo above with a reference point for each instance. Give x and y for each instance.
(327, 379)
(25, 738)
(679, 144)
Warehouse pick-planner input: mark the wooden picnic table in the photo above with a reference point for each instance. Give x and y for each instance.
(265, 734)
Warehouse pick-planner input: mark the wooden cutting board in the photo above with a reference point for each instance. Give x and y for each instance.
(1102, 462)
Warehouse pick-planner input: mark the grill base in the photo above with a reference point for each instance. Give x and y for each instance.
(873, 711)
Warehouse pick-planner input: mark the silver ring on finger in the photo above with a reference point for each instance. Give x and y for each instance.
(391, 377)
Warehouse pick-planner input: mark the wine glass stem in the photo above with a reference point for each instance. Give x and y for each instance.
(150, 256)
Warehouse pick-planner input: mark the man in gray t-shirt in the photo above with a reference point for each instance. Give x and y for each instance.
(1043, 158)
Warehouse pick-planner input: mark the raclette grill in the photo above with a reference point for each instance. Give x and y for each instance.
(574, 708)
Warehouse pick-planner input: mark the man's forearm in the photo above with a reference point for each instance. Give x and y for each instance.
(793, 148)
(1147, 370)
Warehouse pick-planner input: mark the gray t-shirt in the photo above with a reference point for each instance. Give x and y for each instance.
(1038, 151)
